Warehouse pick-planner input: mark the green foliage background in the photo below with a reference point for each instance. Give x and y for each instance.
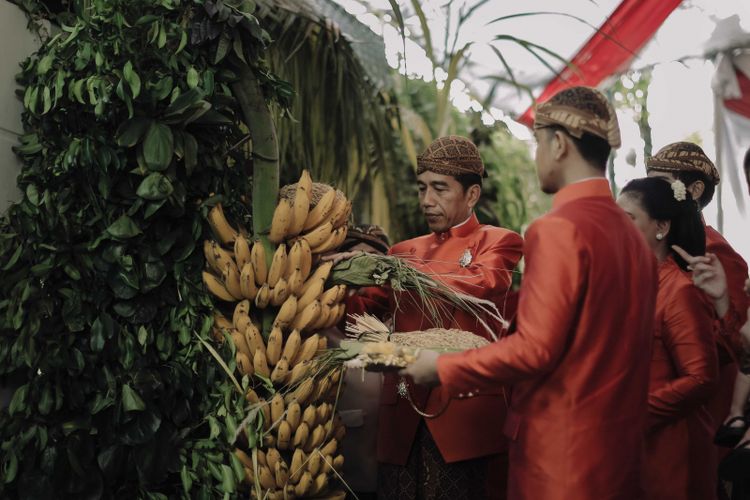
(130, 127)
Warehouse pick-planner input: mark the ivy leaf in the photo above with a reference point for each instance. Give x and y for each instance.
(155, 187)
(158, 147)
(192, 78)
(18, 403)
(123, 228)
(131, 401)
(134, 81)
(190, 152)
(32, 193)
(184, 101)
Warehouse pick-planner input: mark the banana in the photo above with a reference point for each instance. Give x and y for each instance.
(320, 484)
(282, 474)
(300, 209)
(321, 319)
(277, 408)
(278, 264)
(315, 439)
(280, 292)
(221, 322)
(272, 458)
(273, 346)
(307, 350)
(216, 287)
(293, 259)
(336, 315)
(265, 410)
(322, 343)
(305, 180)
(338, 462)
(262, 457)
(305, 259)
(313, 464)
(242, 321)
(208, 253)
(329, 448)
(310, 417)
(221, 257)
(247, 282)
(251, 396)
(294, 415)
(320, 413)
(301, 393)
(312, 293)
(301, 435)
(334, 241)
(232, 281)
(303, 318)
(260, 365)
(284, 435)
(269, 440)
(299, 371)
(339, 209)
(292, 346)
(343, 218)
(321, 273)
(244, 458)
(336, 376)
(264, 297)
(241, 309)
(342, 294)
(327, 465)
(305, 485)
(328, 297)
(295, 282)
(240, 345)
(287, 312)
(282, 218)
(254, 340)
(258, 260)
(241, 252)
(318, 235)
(267, 480)
(220, 226)
(280, 372)
(243, 364)
(320, 211)
(297, 467)
(321, 390)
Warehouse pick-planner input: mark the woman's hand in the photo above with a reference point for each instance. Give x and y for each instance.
(709, 276)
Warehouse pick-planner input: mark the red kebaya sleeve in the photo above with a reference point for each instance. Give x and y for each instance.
(729, 326)
(556, 263)
(687, 337)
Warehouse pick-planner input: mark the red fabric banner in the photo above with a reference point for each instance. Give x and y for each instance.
(742, 105)
(611, 48)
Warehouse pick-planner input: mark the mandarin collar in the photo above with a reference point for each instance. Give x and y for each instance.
(461, 230)
(588, 188)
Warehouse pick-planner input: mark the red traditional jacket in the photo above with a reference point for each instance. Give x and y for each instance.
(727, 329)
(466, 428)
(680, 456)
(579, 360)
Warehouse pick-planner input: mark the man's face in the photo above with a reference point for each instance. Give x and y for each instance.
(545, 164)
(443, 201)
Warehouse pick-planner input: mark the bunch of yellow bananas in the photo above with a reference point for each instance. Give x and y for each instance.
(301, 431)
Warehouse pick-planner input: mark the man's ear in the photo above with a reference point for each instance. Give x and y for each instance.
(560, 145)
(472, 195)
(696, 189)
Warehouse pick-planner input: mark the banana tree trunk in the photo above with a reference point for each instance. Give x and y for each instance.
(265, 174)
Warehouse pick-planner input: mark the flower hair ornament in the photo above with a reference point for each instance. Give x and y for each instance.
(679, 190)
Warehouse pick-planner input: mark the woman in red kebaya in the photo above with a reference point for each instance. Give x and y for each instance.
(680, 457)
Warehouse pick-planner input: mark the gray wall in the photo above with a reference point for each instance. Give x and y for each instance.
(16, 43)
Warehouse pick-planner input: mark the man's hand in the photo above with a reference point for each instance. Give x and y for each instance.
(337, 257)
(424, 370)
(709, 276)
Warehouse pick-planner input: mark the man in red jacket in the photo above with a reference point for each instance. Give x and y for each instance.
(446, 455)
(687, 162)
(579, 359)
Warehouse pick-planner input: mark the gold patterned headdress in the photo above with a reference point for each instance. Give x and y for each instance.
(451, 155)
(683, 157)
(579, 110)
